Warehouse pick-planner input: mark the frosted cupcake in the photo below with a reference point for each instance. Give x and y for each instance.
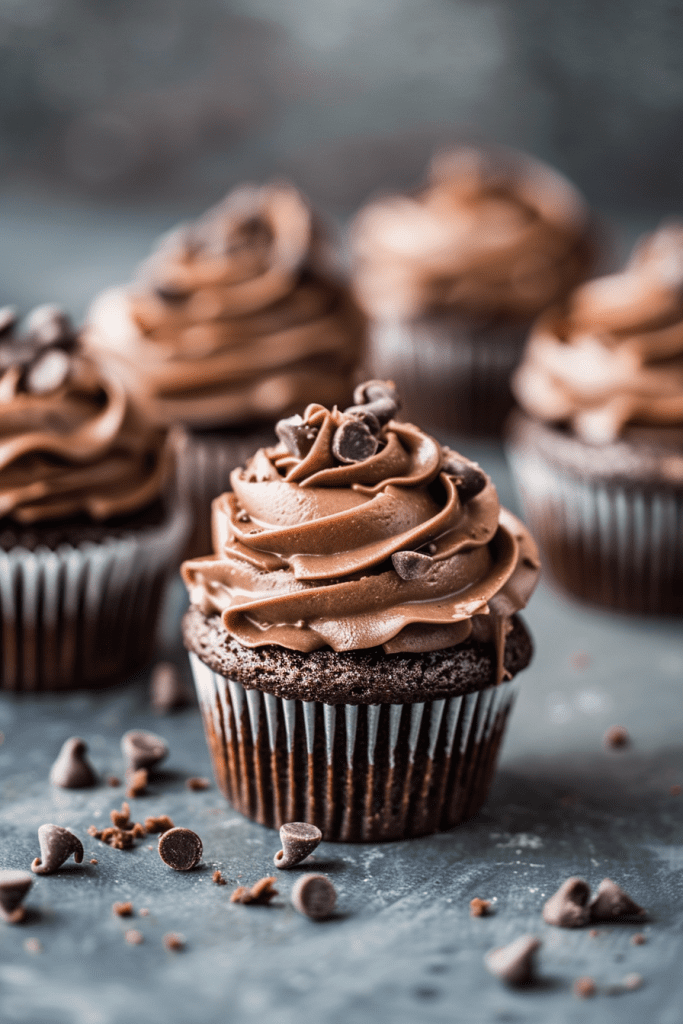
(235, 320)
(354, 637)
(597, 449)
(88, 526)
(453, 276)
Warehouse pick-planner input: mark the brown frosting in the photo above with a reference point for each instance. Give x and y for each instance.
(235, 318)
(406, 548)
(611, 359)
(487, 236)
(71, 442)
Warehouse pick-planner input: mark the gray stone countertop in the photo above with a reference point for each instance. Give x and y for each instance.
(403, 947)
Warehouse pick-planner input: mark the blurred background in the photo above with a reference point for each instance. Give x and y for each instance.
(119, 117)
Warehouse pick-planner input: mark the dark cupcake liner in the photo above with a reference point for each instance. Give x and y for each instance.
(80, 616)
(361, 773)
(616, 543)
(452, 375)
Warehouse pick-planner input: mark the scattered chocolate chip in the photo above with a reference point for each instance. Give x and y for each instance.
(122, 909)
(168, 691)
(13, 888)
(174, 942)
(33, 945)
(143, 749)
(48, 372)
(611, 902)
(261, 892)
(469, 478)
(638, 939)
(584, 988)
(616, 737)
(160, 823)
(72, 770)
(134, 937)
(378, 397)
(676, 790)
(137, 783)
(296, 435)
(298, 839)
(94, 860)
(121, 818)
(113, 781)
(632, 981)
(8, 319)
(196, 784)
(217, 878)
(57, 844)
(180, 848)
(353, 442)
(480, 908)
(515, 964)
(568, 907)
(314, 896)
(410, 565)
(49, 325)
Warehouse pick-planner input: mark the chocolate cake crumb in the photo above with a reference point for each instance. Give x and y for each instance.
(594, 932)
(112, 780)
(94, 860)
(616, 737)
(137, 783)
(117, 838)
(638, 939)
(160, 823)
(180, 848)
(174, 942)
(134, 937)
(261, 892)
(480, 908)
(33, 946)
(122, 909)
(196, 784)
(144, 912)
(217, 877)
(632, 981)
(676, 790)
(585, 988)
(121, 818)
(138, 831)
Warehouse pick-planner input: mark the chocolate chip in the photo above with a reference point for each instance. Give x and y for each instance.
(168, 690)
(261, 892)
(122, 909)
(160, 823)
(515, 964)
(353, 442)
(616, 737)
(57, 844)
(72, 770)
(8, 319)
(584, 988)
(469, 478)
(49, 325)
(638, 939)
(298, 839)
(314, 896)
(174, 942)
(378, 397)
(410, 565)
(112, 780)
(196, 784)
(568, 907)
(480, 908)
(48, 372)
(611, 903)
(13, 888)
(296, 435)
(181, 849)
(143, 749)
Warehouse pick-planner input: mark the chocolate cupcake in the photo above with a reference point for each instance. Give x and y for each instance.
(597, 449)
(354, 637)
(88, 526)
(453, 276)
(235, 321)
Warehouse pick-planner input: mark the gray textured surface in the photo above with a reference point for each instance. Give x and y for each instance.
(403, 947)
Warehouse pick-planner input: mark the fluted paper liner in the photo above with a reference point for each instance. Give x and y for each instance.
(361, 773)
(84, 616)
(607, 542)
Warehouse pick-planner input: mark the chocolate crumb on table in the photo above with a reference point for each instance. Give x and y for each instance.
(33, 945)
(197, 784)
(120, 818)
(584, 988)
(261, 892)
(480, 908)
(217, 877)
(94, 860)
(144, 912)
(632, 981)
(174, 942)
(117, 838)
(122, 909)
(113, 780)
(158, 823)
(134, 937)
(638, 939)
(617, 737)
(137, 783)
(594, 932)
(676, 790)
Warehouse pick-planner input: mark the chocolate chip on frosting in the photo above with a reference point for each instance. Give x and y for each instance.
(296, 435)
(410, 565)
(298, 839)
(72, 770)
(470, 479)
(180, 848)
(57, 844)
(378, 398)
(353, 442)
(13, 888)
(611, 903)
(143, 749)
(515, 963)
(568, 907)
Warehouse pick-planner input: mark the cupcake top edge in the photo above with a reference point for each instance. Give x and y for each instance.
(71, 441)
(611, 358)
(358, 531)
(490, 234)
(238, 317)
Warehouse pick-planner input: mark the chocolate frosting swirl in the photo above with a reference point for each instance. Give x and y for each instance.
(487, 236)
(612, 357)
(71, 442)
(236, 318)
(407, 548)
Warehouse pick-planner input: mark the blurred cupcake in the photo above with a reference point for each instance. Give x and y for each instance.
(88, 527)
(453, 276)
(354, 636)
(234, 321)
(597, 449)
